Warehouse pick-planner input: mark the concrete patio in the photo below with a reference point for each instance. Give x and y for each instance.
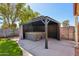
(56, 48)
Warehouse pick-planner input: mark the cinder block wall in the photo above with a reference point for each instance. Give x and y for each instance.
(67, 33)
(8, 33)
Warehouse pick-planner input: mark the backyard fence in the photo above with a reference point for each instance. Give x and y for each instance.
(9, 33)
(67, 33)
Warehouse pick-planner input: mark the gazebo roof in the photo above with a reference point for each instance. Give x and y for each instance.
(42, 18)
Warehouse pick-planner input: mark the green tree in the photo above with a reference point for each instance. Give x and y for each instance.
(10, 12)
(27, 14)
(65, 23)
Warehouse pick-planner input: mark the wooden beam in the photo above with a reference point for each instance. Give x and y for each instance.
(48, 20)
(76, 9)
(43, 21)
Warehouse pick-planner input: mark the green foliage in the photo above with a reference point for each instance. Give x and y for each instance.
(16, 12)
(27, 14)
(9, 48)
(66, 23)
(10, 12)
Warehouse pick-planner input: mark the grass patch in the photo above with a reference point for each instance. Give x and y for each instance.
(9, 48)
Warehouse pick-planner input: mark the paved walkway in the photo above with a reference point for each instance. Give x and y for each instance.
(56, 48)
(25, 53)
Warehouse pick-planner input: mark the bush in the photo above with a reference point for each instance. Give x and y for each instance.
(9, 48)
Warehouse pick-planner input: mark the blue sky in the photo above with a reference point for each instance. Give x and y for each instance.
(58, 11)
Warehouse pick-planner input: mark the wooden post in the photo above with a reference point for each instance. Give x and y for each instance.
(46, 33)
(58, 30)
(21, 32)
(76, 30)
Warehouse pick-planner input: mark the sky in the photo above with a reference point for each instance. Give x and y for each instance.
(57, 11)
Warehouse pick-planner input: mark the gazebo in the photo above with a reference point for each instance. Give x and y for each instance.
(39, 28)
